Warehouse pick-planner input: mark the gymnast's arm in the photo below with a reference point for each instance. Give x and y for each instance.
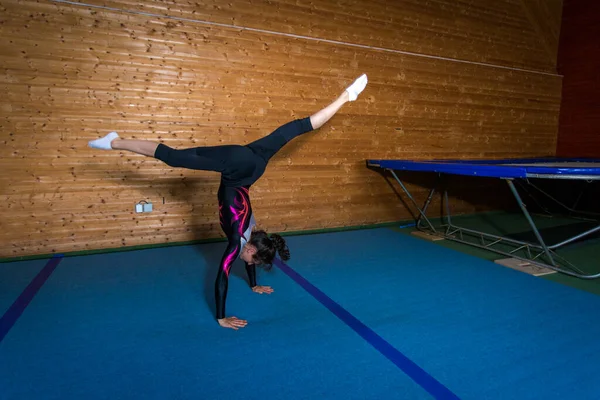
(251, 271)
(234, 212)
(221, 284)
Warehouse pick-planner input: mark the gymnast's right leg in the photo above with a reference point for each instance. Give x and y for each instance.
(199, 158)
(113, 141)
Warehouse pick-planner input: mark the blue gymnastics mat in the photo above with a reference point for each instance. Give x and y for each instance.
(140, 325)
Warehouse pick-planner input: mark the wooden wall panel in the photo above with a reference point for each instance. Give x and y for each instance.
(545, 18)
(72, 73)
(497, 32)
(579, 62)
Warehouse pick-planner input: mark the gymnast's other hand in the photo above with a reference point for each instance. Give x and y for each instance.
(232, 323)
(262, 289)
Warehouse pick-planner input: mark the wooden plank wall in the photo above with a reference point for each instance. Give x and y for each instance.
(579, 62)
(71, 73)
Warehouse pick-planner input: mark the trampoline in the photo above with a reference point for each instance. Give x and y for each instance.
(515, 172)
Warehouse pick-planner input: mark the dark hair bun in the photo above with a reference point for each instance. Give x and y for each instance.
(280, 246)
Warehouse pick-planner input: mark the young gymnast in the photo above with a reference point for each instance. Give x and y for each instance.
(240, 166)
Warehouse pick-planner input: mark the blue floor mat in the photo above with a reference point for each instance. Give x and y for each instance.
(140, 325)
(14, 278)
(485, 331)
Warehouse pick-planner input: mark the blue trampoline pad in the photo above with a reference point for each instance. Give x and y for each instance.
(141, 325)
(507, 168)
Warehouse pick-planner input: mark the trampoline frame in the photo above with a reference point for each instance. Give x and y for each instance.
(540, 254)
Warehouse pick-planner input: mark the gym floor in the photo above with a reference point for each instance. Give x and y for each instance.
(362, 314)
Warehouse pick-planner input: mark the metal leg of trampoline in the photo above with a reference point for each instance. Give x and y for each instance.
(447, 206)
(514, 191)
(571, 211)
(421, 213)
(425, 206)
(453, 230)
(574, 238)
(457, 233)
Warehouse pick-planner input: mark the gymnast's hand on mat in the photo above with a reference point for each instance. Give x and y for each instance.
(262, 289)
(232, 322)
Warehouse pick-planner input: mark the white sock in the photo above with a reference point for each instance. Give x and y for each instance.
(103, 143)
(357, 87)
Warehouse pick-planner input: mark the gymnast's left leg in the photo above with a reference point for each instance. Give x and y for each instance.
(267, 146)
(319, 119)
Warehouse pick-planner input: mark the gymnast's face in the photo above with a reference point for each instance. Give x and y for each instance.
(248, 253)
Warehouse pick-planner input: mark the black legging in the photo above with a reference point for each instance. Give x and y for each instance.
(240, 167)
